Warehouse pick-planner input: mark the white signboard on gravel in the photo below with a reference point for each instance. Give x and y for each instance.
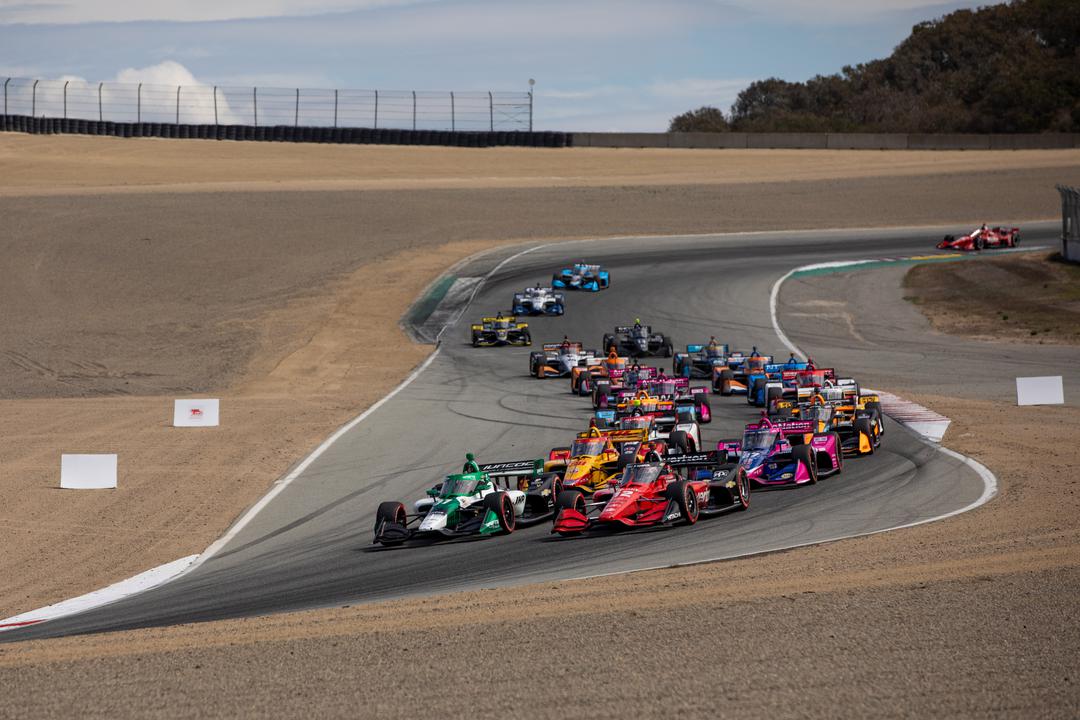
(88, 472)
(195, 413)
(1040, 391)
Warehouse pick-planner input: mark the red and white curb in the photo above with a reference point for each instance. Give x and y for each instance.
(926, 422)
(140, 583)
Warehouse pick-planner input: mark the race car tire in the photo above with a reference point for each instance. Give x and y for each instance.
(1015, 240)
(539, 371)
(758, 388)
(724, 388)
(864, 427)
(503, 507)
(704, 418)
(805, 455)
(569, 500)
(680, 441)
(609, 342)
(528, 338)
(669, 349)
(978, 243)
(771, 394)
(685, 498)
(389, 512)
(742, 489)
(534, 361)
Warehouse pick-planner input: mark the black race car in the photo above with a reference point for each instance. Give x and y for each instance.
(638, 340)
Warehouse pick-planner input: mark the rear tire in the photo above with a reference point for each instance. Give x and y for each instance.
(772, 394)
(758, 388)
(503, 507)
(805, 455)
(680, 440)
(864, 427)
(726, 376)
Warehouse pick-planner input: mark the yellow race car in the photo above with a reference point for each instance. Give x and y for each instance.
(499, 330)
(597, 456)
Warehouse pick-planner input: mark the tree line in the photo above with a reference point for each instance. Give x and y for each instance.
(1010, 68)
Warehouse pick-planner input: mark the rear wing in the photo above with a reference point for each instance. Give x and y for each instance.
(630, 328)
(786, 427)
(695, 459)
(574, 347)
(514, 468)
(723, 348)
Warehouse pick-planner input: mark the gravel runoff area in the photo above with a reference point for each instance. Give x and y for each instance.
(908, 622)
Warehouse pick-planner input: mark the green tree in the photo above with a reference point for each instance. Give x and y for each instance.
(704, 119)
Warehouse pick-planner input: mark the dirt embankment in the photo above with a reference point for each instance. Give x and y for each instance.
(1020, 298)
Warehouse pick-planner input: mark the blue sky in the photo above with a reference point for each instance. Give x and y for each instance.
(627, 65)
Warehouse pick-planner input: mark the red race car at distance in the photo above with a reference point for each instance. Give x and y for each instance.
(981, 238)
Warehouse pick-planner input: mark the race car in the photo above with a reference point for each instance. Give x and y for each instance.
(581, 276)
(734, 378)
(981, 238)
(497, 331)
(700, 361)
(560, 359)
(797, 385)
(657, 386)
(785, 453)
(843, 409)
(585, 376)
(637, 341)
(658, 492)
(539, 301)
(674, 422)
(597, 455)
(770, 375)
(480, 500)
(608, 391)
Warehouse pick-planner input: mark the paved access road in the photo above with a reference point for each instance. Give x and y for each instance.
(310, 547)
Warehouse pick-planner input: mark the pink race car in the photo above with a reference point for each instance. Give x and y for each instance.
(981, 238)
(785, 453)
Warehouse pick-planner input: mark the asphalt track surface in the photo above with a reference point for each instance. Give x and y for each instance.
(311, 546)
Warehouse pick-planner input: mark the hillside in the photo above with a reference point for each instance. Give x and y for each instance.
(1007, 68)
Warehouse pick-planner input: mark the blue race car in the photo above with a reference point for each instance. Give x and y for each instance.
(581, 276)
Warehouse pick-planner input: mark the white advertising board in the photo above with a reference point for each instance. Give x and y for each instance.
(87, 472)
(1040, 390)
(195, 413)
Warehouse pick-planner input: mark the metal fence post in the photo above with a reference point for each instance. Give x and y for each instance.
(376, 124)
(65, 98)
(255, 105)
(296, 116)
(453, 114)
(413, 109)
(215, 105)
(6, 81)
(530, 110)
(138, 104)
(335, 108)
(100, 113)
(491, 110)
(33, 99)
(178, 103)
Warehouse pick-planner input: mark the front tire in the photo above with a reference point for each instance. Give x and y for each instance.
(681, 441)
(804, 454)
(503, 507)
(391, 512)
(684, 497)
(726, 376)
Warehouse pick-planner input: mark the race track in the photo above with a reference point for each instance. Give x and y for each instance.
(310, 547)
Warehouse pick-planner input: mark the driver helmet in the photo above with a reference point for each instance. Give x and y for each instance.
(470, 465)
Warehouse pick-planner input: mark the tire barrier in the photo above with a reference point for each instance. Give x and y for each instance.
(290, 133)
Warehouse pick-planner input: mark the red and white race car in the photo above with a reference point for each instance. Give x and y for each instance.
(981, 238)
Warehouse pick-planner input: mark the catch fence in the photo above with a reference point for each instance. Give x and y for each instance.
(486, 111)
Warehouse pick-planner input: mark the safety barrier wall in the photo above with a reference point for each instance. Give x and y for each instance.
(832, 141)
(1070, 222)
(523, 138)
(285, 133)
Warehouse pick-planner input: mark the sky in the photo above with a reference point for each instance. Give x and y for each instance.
(599, 65)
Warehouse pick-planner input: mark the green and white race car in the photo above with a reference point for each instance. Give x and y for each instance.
(489, 499)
